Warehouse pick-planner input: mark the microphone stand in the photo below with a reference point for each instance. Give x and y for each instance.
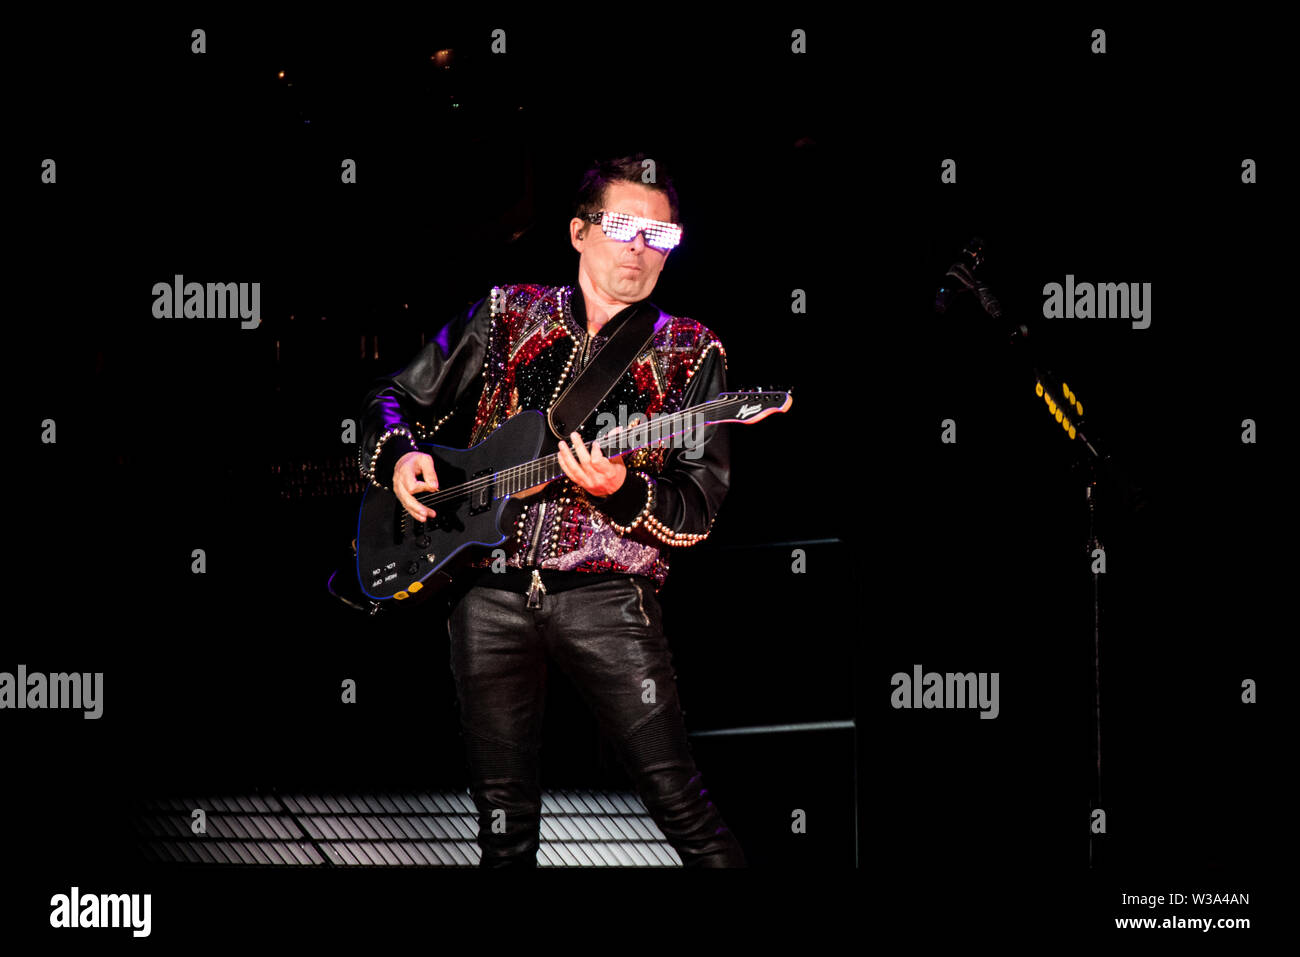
(1094, 463)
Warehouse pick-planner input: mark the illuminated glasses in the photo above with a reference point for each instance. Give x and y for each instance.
(622, 227)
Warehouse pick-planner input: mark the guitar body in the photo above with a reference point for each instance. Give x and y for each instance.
(400, 558)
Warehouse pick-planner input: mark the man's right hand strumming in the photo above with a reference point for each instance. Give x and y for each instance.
(414, 473)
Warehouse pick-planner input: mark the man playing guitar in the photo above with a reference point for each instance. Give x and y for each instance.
(579, 578)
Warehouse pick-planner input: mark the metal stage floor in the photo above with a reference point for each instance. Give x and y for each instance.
(428, 829)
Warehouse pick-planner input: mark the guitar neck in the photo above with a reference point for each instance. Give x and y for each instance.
(744, 408)
(652, 432)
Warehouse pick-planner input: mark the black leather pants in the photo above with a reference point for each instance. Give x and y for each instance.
(608, 637)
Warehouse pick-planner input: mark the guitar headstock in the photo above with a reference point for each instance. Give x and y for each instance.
(748, 405)
(741, 406)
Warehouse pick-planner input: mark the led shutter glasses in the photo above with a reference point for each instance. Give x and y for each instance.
(622, 227)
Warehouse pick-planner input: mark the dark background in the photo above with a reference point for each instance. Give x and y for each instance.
(818, 172)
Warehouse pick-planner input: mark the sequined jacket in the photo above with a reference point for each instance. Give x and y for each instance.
(517, 349)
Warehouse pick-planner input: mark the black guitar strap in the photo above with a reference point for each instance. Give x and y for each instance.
(597, 380)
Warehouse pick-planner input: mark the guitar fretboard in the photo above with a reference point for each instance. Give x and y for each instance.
(653, 431)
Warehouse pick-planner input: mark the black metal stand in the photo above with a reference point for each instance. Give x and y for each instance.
(963, 277)
(1094, 543)
(1095, 465)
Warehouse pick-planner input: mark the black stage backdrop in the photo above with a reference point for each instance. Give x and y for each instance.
(818, 225)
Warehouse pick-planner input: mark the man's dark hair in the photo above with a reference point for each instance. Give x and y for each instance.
(625, 169)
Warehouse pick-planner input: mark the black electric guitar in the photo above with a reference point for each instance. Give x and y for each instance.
(401, 560)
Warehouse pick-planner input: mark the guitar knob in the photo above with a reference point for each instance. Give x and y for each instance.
(423, 541)
(413, 568)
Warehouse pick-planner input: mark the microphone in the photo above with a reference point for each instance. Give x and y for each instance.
(961, 275)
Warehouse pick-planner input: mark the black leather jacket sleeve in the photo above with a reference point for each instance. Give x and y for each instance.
(446, 373)
(693, 483)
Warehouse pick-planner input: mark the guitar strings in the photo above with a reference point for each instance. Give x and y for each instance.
(519, 471)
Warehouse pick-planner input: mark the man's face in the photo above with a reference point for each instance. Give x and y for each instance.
(624, 272)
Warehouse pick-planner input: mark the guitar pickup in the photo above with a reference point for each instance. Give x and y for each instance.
(480, 499)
